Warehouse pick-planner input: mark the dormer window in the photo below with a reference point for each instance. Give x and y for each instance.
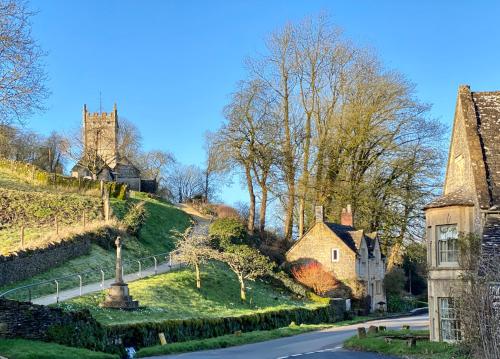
(335, 255)
(447, 239)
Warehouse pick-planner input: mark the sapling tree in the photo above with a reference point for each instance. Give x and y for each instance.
(247, 263)
(194, 250)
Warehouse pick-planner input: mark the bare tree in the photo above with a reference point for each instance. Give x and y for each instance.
(194, 250)
(155, 163)
(22, 77)
(247, 263)
(215, 169)
(185, 182)
(129, 140)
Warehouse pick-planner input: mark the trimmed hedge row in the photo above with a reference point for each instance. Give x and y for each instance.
(32, 173)
(146, 334)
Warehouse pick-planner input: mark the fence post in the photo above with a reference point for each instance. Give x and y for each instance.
(170, 260)
(156, 265)
(57, 291)
(22, 237)
(81, 282)
(140, 272)
(102, 278)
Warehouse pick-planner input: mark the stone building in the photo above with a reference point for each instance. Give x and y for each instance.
(353, 256)
(100, 151)
(470, 203)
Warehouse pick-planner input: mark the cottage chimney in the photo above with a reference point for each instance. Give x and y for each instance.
(346, 216)
(318, 213)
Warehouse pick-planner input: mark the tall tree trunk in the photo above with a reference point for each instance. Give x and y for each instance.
(262, 213)
(289, 211)
(198, 276)
(251, 194)
(243, 294)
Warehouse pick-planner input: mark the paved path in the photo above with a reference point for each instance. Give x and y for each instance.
(200, 227)
(315, 345)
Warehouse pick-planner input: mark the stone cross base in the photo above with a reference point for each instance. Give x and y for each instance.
(119, 298)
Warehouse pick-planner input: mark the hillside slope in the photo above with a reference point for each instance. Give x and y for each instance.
(155, 236)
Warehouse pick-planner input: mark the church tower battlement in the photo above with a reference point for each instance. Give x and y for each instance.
(100, 133)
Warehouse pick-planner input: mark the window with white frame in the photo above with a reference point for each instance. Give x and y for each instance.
(447, 240)
(378, 287)
(335, 255)
(449, 325)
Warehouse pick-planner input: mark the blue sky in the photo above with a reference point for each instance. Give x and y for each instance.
(171, 65)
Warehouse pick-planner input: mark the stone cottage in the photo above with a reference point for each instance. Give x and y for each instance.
(100, 151)
(353, 256)
(470, 203)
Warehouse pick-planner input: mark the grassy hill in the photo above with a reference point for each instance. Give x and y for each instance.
(35, 207)
(154, 237)
(174, 295)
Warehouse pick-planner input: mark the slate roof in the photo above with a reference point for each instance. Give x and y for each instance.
(352, 237)
(487, 107)
(491, 234)
(456, 198)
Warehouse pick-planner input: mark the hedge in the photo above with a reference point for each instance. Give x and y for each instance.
(141, 335)
(30, 172)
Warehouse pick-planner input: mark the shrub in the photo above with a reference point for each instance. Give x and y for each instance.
(400, 304)
(135, 218)
(394, 281)
(225, 232)
(314, 276)
(224, 211)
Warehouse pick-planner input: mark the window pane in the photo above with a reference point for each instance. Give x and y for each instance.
(449, 323)
(447, 243)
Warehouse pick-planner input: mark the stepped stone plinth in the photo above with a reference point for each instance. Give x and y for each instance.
(118, 296)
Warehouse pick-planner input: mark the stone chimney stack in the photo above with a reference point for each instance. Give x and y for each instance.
(318, 213)
(346, 216)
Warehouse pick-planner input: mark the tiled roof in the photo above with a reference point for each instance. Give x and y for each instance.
(487, 106)
(456, 198)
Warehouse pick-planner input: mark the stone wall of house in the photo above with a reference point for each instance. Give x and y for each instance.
(38, 322)
(25, 264)
(317, 244)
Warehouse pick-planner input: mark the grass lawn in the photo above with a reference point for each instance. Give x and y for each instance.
(155, 237)
(174, 296)
(424, 349)
(30, 349)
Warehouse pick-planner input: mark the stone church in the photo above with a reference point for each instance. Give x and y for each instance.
(100, 151)
(351, 255)
(470, 203)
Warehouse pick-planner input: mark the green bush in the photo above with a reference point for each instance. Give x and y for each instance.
(146, 334)
(394, 281)
(225, 232)
(400, 304)
(135, 218)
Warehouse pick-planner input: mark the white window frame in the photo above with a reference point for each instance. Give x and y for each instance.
(449, 324)
(450, 239)
(378, 287)
(335, 250)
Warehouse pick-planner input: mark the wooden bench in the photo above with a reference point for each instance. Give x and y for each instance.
(411, 340)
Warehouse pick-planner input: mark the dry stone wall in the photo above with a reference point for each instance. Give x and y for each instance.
(26, 263)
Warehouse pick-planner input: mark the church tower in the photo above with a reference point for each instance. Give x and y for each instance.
(100, 133)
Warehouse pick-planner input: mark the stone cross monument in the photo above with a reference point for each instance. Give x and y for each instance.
(118, 296)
